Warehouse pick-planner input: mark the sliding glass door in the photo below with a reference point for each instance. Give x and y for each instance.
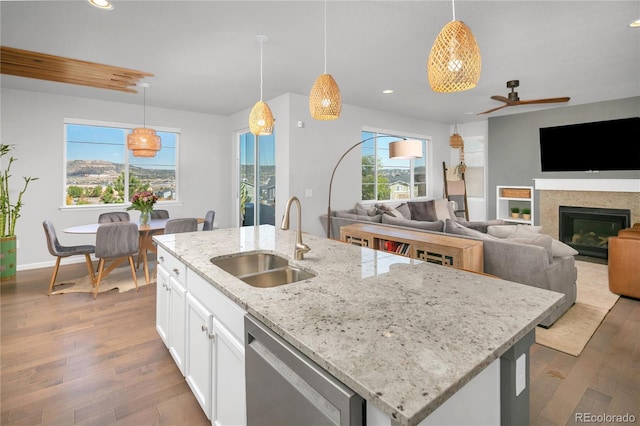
(257, 179)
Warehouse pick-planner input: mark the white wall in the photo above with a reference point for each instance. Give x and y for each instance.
(305, 158)
(307, 155)
(33, 122)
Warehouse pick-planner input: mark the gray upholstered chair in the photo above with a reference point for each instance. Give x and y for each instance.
(60, 251)
(159, 214)
(114, 217)
(116, 242)
(176, 226)
(208, 220)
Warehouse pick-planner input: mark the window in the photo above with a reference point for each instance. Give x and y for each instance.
(385, 179)
(100, 169)
(474, 160)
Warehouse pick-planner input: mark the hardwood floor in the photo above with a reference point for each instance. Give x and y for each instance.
(67, 359)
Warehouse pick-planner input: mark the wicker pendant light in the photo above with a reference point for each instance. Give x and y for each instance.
(454, 63)
(143, 142)
(325, 102)
(456, 141)
(261, 119)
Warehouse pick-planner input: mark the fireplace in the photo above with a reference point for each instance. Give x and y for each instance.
(587, 229)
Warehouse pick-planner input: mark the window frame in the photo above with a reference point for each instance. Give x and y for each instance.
(387, 134)
(123, 126)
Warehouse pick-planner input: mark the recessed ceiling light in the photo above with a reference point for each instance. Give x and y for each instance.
(101, 4)
(387, 91)
(634, 24)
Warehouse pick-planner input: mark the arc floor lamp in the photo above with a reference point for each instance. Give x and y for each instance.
(402, 149)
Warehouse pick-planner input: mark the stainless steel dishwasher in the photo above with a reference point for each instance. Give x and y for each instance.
(284, 387)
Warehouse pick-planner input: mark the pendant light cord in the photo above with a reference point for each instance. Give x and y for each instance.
(453, 6)
(325, 36)
(261, 43)
(144, 107)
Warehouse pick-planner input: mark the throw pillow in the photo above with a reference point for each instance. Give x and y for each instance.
(362, 218)
(365, 210)
(453, 227)
(403, 208)
(438, 225)
(541, 240)
(479, 225)
(504, 231)
(423, 210)
(385, 209)
(561, 249)
(443, 212)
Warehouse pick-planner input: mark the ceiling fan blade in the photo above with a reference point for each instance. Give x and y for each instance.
(545, 101)
(494, 109)
(500, 98)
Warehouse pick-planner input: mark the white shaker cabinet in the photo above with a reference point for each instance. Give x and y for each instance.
(200, 342)
(229, 406)
(171, 305)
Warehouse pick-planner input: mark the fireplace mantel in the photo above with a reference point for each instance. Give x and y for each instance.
(600, 185)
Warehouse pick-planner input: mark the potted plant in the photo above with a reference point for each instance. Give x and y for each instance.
(526, 213)
(515, 212)
(9, 214)
(143, 201)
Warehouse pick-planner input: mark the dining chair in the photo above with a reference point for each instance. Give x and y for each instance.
(176, 226)
(114, 217)
(59, 251)
(159, 214)
(115, 242)
(208, 220)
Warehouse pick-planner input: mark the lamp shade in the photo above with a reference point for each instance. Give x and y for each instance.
(144, 142)
(325, 102)
(405, 149)
(456, 141)
(454, 63)
(261, 119)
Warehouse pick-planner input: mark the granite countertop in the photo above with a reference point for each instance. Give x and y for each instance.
(404, 334)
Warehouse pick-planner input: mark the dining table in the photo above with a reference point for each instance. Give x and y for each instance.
(155, 227)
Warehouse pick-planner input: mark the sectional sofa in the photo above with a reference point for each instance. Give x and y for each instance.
(518, 253)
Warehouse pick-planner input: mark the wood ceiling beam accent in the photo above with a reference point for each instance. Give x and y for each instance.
(24, 63)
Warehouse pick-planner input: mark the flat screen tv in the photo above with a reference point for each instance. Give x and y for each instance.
(601, 145)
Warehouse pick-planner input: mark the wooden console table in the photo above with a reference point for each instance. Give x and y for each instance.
(443, 249)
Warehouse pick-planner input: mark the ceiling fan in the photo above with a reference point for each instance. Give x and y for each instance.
(513, 98)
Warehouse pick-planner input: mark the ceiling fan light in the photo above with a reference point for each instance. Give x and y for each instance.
(454, 63)
(325, 102)
(101, 4)
(143, 142)
(261, 119)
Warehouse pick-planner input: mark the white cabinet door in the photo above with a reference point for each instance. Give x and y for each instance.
(162, 305)
(177, 322)
(229, 408)
(199, 352)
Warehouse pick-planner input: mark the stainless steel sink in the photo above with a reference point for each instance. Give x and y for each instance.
(262, 269)
(251, 263)
(276, 277)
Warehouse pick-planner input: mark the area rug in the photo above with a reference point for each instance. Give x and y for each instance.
(119, 278)
(572, 331)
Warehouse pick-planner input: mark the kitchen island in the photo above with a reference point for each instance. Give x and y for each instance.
(405, 335)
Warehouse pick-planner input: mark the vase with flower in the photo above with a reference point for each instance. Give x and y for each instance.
(143, 201)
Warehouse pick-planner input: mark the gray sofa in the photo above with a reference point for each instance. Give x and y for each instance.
(513, 253)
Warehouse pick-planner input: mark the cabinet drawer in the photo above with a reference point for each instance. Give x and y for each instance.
(172, 265)
(225, 310)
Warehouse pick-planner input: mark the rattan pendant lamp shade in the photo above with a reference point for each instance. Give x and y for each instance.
(325, 102)
(456, 141)
(260, 118)
(143, 142)
(454, 63)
